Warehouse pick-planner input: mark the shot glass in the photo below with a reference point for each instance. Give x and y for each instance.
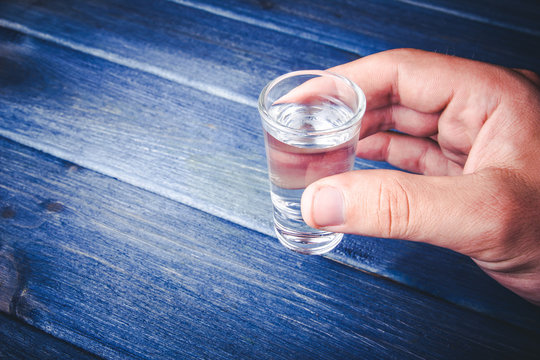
(311, 122)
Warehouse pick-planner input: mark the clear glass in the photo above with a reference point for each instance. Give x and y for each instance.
(311, 122)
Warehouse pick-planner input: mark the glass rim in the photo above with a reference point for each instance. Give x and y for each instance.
(352, 121)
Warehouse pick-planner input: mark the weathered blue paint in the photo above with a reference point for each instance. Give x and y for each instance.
(134, 205)
(122, 272)
(22, 341)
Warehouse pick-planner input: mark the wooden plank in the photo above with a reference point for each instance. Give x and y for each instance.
(523, 16)
(151, 132)
(370, 26)
(20, 341)
(122, 272)
(173, 140)
(214, 54)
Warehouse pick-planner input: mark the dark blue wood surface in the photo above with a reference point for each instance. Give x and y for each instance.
(19, 340)
(505, 33)
(122, 272)
(135, 214)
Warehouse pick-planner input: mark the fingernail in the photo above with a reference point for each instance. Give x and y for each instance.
(328, 207)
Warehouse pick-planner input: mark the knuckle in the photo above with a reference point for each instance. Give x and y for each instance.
(394, 209)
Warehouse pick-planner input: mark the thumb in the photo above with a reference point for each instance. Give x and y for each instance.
(441, 210)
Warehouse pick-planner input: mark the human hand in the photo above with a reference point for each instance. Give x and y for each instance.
(473, 131)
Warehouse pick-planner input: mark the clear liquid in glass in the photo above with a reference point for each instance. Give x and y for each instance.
(295, 161)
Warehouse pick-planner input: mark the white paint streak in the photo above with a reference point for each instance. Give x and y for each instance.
(93, 257)
(133, 64)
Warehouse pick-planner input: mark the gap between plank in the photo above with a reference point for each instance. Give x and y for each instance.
(216, 10)
(340, 44)
(41, 333)
(133, 64)
(472, 17)
(133, 180)
(142, 183)
(111, 171)
(173, 195)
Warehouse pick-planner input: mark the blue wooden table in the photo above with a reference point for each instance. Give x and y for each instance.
(135, 217)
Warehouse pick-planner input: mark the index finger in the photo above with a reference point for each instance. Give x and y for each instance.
(420, 80)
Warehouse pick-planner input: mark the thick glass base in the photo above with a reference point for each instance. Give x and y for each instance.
(291, 229)
(313, 243)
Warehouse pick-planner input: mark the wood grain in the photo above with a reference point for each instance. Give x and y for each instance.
(124, 273)
(522, 16)
(214, 54)
(148, 235)
(460, 28)
(21, 341)
(172, 139)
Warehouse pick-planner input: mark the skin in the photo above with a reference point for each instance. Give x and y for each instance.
(470, 134)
